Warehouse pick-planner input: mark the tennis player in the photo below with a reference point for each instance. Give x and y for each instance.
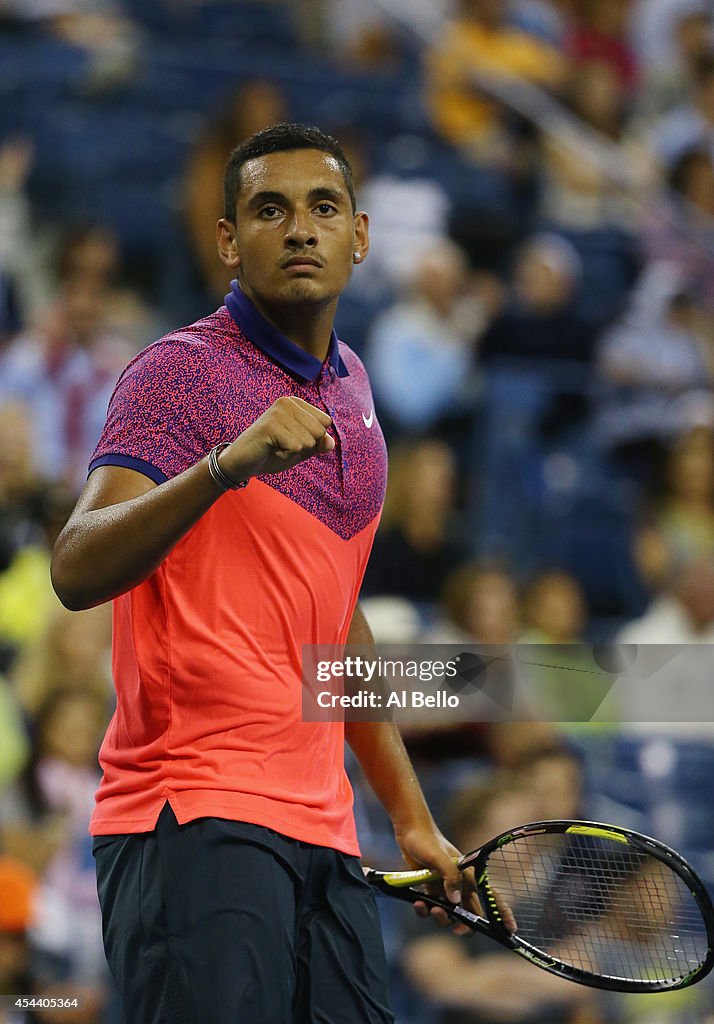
(229, 513)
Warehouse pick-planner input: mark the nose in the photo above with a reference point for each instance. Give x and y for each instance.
(300, 231)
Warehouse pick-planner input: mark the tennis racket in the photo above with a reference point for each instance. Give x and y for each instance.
(594, 903)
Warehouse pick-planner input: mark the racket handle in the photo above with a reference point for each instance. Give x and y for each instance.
(401, 879)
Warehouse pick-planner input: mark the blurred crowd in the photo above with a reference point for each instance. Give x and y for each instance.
(537, 316)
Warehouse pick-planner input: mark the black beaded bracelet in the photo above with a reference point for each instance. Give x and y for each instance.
(217, 474)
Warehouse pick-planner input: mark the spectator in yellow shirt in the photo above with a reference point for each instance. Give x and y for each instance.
(480, 41)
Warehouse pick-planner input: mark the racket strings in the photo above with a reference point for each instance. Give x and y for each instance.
(600, 906)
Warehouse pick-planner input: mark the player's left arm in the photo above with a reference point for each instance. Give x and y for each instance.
(380, 751)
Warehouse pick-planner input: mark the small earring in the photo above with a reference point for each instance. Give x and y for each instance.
(357, 257)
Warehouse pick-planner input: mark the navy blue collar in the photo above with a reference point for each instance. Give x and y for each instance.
(273, 342)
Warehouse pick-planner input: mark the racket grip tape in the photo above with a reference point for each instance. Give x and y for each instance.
(401, 879)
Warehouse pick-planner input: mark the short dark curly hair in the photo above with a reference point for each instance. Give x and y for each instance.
(280, 138)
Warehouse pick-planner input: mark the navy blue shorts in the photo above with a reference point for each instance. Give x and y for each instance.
(223, 922)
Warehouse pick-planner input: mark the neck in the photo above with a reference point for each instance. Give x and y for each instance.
(693, 506)
(309, 326)
(424, 527)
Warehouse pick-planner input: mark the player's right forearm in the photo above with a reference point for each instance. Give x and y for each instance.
(104, 552)
(111, 545)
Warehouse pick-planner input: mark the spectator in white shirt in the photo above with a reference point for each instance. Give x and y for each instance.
(421, 350)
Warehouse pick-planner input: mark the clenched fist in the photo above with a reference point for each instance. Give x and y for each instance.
(289, 432)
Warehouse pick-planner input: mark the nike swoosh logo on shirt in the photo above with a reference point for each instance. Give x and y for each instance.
(368, 420)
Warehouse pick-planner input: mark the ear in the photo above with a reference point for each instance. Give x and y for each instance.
(360, 237)
(227, 242)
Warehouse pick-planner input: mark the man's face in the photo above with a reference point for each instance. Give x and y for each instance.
(295, 234)
(489, 12)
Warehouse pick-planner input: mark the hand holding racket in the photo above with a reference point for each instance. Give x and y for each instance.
(447, 879)
(594, 903)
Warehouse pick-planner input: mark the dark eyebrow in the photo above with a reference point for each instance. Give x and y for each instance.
(322, 192)
(326, 192)
(267, 197)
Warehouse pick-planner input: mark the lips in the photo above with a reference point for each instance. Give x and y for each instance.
(301, 261)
